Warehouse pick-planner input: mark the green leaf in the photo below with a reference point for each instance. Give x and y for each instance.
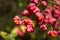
(8, 28)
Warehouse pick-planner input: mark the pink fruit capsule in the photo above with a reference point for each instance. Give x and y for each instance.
(17, 20)
(35, 1)
(43, 27)
(52, 33)
(44, 3)
(29, 28)
(25, 13)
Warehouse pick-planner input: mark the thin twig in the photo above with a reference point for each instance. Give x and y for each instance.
(53, 3)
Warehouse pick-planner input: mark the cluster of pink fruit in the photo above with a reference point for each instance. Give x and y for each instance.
(50, 16)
